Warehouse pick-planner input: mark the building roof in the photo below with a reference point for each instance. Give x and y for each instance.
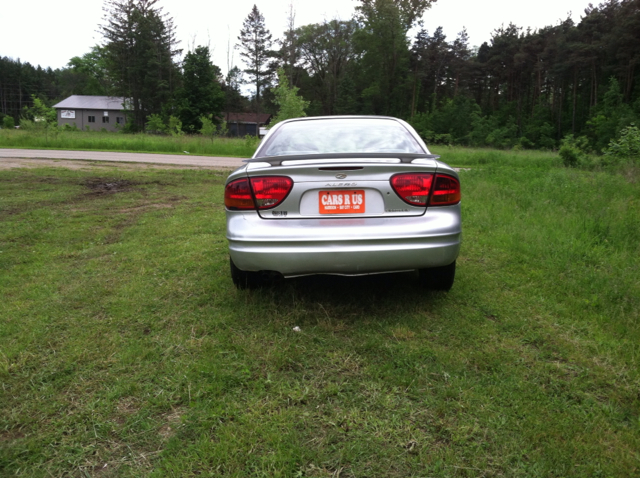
(251, 118)
(82, 102)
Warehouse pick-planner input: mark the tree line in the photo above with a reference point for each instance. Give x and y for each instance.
(523, 88)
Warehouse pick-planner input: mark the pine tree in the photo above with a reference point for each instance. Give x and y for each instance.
(201, 93)
(255, 43)
(139, 52)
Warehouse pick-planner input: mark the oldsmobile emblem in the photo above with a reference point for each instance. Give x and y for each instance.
(341, 176)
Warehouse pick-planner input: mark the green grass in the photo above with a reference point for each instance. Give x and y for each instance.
(126, 351)
(137, 143)
(482, 157)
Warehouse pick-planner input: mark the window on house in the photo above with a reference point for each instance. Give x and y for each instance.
(119, 119)
(105, 119)
(91, 119)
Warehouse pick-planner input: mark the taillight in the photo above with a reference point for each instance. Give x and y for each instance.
(446, 191)
(413, 188)
(268, 191)
(237, 195)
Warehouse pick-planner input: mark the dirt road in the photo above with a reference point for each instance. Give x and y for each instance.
(33, 158)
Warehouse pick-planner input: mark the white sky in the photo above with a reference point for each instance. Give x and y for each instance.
(49, 33)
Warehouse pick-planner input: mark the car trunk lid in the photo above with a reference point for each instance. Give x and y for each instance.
(334, 187)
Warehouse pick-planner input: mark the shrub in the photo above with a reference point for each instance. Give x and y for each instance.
(155, 125)
(8, 122)
(421, 122)
(70, 127)
(27, 124)
(523, 143)
(626, 148)
(210, 129)
(444, 138)
(573, 150)
(251, 142)
(503, 137)
(175, 126)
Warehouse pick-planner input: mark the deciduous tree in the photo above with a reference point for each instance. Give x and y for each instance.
(326, 49)
(290, 104)
(382, 41)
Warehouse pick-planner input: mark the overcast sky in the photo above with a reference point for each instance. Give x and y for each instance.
(49, 33)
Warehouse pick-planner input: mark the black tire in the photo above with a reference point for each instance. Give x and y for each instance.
(244, 279)
(438, 278)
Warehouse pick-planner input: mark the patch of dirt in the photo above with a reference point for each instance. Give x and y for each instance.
(11, 435)
(172, 422)
(109, 186)
(126, 407)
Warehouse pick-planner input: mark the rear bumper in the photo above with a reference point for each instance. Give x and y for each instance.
(347, 246)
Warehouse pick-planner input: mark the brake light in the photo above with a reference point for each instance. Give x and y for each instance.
(446, 191)
(413, 188)
(268, 191)
(237, 195)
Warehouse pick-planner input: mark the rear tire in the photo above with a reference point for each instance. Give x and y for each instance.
(438, 278)
(244, 279)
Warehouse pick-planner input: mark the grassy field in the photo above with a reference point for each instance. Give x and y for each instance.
(126, 351)
(135, 143)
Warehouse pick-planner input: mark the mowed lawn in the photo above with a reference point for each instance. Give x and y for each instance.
(125, 350)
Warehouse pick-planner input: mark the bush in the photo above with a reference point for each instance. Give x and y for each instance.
(421, 122)
(503, 137)
(155, 125)
(210, 129)
(625, 149)
(27, 125)
(70, 127)
(523, 143)
(175, 126)
(573, 150)
(251, 142)
(8, 122)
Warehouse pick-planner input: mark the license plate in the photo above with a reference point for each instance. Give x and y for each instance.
(341, 202)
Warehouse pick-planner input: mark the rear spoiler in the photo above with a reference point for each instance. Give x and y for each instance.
(403, 157)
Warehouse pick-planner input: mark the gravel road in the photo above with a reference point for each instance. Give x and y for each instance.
(15, 158)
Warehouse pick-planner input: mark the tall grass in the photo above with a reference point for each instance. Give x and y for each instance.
(105, 141)
(482, 157)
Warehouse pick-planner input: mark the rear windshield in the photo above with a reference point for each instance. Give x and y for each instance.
(346, 135)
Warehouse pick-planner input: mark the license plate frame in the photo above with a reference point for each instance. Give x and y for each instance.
(341, 201)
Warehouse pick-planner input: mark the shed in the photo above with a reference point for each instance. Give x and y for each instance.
(93, 112)
(242, 124)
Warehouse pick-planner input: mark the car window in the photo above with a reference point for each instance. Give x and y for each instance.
(348, 135)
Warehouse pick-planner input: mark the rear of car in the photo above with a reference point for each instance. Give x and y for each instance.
(343, 195)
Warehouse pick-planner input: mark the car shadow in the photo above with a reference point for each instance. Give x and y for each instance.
(370, 293)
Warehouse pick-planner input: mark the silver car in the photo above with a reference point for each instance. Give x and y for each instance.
(347, 195)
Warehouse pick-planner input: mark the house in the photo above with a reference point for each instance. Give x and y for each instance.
(243, 124)
(94, 112)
